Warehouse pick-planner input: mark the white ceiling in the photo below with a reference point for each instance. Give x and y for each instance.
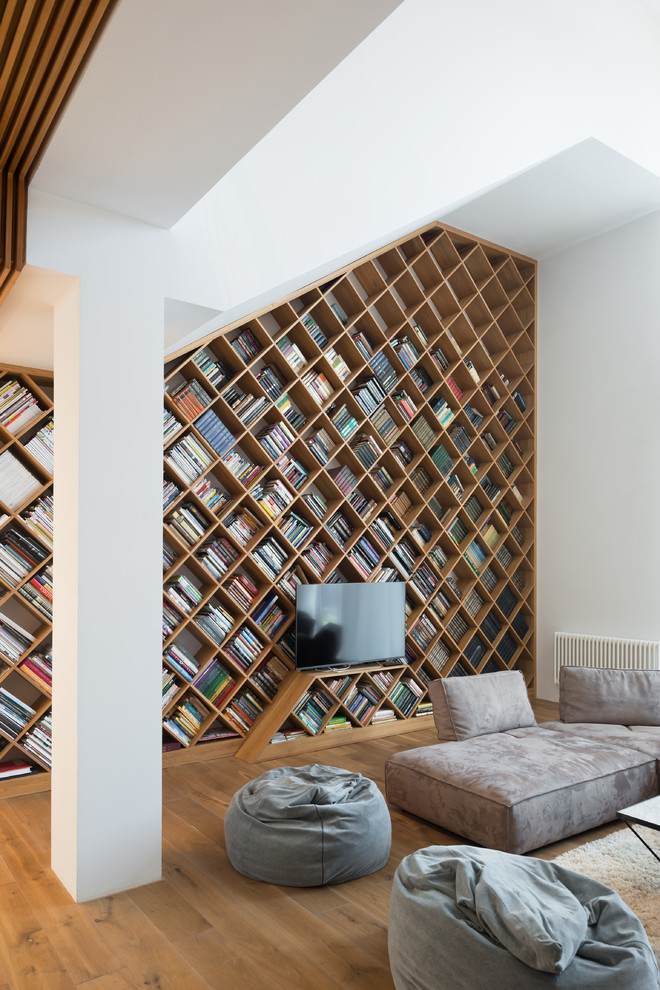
(176, 93)
(577, 194)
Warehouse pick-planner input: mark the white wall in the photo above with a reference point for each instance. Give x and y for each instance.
(598, 415)
(443, 100)
(106, 787)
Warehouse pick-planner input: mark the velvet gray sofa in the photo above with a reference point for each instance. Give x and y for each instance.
(503, 781)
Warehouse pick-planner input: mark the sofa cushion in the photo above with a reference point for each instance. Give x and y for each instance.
(621, 697)
(518, 792)
(642, 738)
(464, 707)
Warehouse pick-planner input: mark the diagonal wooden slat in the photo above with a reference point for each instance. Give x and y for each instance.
(44, 47)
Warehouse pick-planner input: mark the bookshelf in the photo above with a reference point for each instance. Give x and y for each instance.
(378, 425)
(26, 543)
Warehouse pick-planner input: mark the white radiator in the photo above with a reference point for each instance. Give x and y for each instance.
(578, 650)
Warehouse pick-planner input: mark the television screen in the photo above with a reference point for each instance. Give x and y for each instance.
(349, 624)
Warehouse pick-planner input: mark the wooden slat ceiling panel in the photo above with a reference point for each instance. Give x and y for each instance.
(44, 45)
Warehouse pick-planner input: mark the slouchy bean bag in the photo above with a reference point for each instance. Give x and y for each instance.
(463, 918)
(308, 826)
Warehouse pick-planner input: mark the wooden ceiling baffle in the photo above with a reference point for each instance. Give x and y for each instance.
(44, 46)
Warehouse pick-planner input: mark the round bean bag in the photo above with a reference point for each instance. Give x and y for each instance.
(466, 918)
(308, 826)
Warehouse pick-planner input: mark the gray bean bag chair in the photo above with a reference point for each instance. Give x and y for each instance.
(464, 918)
(308, 826)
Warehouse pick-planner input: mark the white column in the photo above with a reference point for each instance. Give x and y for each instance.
(106, 793)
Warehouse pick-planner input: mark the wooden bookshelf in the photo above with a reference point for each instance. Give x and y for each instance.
(445, 322)
(451, 513)
(26, 489)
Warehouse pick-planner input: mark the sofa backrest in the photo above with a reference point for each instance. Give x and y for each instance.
(616, 697)
(473, 706)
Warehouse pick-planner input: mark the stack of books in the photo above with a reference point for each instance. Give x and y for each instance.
(42, 446)
(17, 484)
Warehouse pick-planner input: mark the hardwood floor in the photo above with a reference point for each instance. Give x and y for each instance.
(203, 925)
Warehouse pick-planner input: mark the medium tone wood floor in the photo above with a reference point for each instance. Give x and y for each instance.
(203, 925)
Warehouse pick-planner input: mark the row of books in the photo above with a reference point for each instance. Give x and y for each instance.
(14, 639)
(242, 590)
(39, 519)
(345, 422)
(269, 615)
(39, 668)
(188, 458)
(38, 591)
(244, 648)
(312, 708)
(18, 406)
(270, 556)
(243, 525)
(273, 497)
(191, 398)
(364, 556)
(246, 345)
(294, 472)
(318, 386)
(318, 556)
(292, 353)
(290, 412)
(241, 467)
(213, 498)
(215, 621)
(19, 554)
(212, 368)
(185, 595)
(275, 439)
(243, 710)
(186, 719)
(295, 528)
(188, 522)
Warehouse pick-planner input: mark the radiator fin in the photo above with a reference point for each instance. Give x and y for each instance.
(580, 650)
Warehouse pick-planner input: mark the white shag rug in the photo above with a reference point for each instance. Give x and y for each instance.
(623, 863)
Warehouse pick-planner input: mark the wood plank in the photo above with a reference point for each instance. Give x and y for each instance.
(26, 955)
(286, 920)
(69, 930)
(149, 958)
(168, 910)
(292, 687)
(118, 980)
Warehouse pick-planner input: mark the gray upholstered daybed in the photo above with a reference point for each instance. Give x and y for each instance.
(505, 782)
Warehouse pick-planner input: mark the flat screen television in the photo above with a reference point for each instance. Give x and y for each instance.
(341, 625)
